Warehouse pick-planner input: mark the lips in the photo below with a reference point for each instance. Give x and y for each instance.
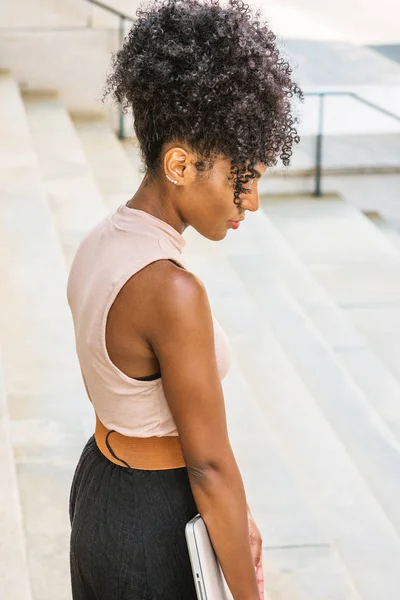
(234, 224)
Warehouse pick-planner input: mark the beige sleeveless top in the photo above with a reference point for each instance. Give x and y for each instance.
(117, 248)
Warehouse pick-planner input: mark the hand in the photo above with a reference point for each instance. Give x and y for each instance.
(256, 550)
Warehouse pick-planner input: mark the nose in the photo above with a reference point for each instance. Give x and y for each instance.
(251, 202)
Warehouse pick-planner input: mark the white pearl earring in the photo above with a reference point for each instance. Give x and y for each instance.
(171, 180)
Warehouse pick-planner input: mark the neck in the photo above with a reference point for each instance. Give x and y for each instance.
(155, 198)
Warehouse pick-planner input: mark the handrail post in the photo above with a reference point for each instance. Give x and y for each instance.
(318, 157)
(89, 23)
(121, 131)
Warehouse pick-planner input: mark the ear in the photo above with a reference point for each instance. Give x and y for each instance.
(178, 166)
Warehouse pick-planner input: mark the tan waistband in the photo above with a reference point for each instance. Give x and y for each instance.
(152, 454)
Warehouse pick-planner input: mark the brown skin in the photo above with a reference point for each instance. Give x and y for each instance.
(148, 331)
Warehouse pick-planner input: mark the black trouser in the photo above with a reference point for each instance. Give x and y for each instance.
(128, 531)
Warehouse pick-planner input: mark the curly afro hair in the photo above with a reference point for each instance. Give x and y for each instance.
(211, 76)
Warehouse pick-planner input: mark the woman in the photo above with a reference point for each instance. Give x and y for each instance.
(210, 97)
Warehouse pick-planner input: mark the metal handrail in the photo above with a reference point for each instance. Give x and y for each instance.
(320, 134)
(122, 18)
(112, 10)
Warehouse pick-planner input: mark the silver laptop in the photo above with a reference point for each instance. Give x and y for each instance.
(208, 577)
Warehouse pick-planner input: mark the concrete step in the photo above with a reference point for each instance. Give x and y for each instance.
(14, 574)
(43, 15)
(268, 257)
(332, 64)
(300, 562)
(364, 192)
(45, 395)
(368, 440)
(116, 176)
(342, 155)
(361, 272)
(74, 198)
(342, 501)
(131, 147)
(390, 229)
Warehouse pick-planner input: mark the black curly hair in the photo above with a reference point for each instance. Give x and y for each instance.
(211, 76)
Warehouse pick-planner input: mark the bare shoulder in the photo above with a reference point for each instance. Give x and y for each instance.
(163, 296)
(172, 276)
(166, 285)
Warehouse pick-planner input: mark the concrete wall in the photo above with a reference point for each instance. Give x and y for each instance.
(47, 45)
(43, 13)
(73, 62)
(61, 13)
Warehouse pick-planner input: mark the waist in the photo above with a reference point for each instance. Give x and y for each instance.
(152, 454)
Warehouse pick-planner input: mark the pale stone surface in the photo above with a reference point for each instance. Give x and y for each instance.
(341, 153)
(280, 509)
(288, 528)
(271, 259)
(303, 19)
(290, 534)
(340, 497)
(345, 251)
(44, 490)
(14, 575)
(368, 440)
(378, 193)
(76, 63)
(381, 326)
(34, 319)
(331, 233)
(36, 335)
(115, 174)
(343, 21)
(72, 193)
(303, 573)
(356, 263)
(44, 13)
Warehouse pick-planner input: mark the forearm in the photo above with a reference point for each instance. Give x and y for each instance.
(221, 501)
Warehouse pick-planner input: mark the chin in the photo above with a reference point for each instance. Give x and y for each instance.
(217, 236)
(214, 236)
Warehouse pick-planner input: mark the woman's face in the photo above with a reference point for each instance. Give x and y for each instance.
(205, 200)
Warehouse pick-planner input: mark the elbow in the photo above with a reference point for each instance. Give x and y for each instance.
(206, 473)
(201, 472)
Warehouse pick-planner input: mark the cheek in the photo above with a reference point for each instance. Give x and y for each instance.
(224, 199)
(217, 201)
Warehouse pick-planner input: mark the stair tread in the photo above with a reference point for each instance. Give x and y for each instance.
(300, 561)
(115, 174)
(261, 249)
(335, 488)
(362, 275)
(73, 195)
(14, 574)
(35, 323)
(371, 443)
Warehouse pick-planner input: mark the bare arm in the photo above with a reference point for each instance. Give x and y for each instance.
(182, 337)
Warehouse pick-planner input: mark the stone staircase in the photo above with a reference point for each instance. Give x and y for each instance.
(306, 291)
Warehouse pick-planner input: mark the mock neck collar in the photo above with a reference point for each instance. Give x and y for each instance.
(128, 217)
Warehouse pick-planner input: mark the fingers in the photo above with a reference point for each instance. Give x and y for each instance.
(256, 546)
(260, 580)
